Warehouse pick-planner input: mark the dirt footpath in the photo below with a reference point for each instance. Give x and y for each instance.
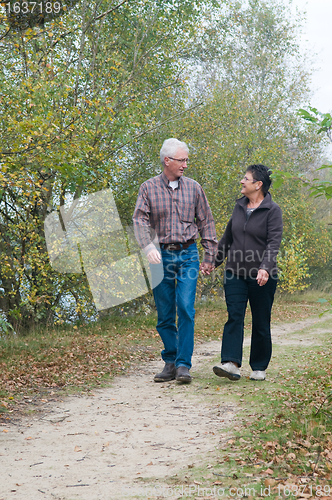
(135, 433)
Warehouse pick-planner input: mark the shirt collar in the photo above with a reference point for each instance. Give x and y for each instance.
(166, 180)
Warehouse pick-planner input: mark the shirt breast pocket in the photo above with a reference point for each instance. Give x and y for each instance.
(187, 212)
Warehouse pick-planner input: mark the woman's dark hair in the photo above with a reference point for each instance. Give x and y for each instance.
(261, 173)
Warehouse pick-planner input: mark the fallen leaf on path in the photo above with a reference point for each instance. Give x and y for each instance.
(77, 448)
(307, 444)
(270, 444)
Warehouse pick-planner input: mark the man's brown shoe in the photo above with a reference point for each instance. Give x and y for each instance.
(167, 374)
(183, 375)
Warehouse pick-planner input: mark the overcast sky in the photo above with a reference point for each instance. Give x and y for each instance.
(317, 36)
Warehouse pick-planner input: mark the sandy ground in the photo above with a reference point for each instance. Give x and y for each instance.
(122, 439)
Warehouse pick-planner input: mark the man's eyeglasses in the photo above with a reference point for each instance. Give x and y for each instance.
(182, 160)
(252, 180)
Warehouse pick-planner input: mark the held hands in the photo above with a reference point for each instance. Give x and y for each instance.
(206, 268)
(154, 256)
(262, 277)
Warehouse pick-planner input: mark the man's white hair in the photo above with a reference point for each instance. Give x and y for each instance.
(170, 147)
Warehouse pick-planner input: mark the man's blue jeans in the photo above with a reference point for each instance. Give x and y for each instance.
(176, 293)
(238, 290)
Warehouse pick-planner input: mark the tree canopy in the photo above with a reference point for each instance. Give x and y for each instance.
(89, 94)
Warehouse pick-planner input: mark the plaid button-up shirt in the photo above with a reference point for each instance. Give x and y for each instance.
(176, 215)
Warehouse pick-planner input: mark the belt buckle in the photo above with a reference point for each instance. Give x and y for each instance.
(172, 247)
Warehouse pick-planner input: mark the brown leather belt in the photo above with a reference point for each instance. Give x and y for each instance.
(176, 246)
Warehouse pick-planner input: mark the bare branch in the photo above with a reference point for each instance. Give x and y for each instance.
(110, 10)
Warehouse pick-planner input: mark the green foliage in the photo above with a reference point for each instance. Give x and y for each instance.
(293, 265)
(79, 94)
(317, 249)
(300, 224)
(89, 96)
(254, 79)
(5, 326)
(316, 187)
(322, 120)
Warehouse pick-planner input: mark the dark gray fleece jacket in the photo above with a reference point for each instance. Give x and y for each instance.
(252, 244)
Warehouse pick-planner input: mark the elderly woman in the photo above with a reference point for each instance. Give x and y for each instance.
(250, 244)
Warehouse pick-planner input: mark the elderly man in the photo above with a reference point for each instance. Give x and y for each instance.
(177, 209)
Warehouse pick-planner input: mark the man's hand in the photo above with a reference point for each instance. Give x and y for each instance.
(154, 256)
(262, 277)
(206, 268)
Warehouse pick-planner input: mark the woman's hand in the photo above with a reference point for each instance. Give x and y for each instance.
(206, 268)
(262, 277)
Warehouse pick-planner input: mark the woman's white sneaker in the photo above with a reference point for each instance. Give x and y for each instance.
(228, 370)
(258, 375)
